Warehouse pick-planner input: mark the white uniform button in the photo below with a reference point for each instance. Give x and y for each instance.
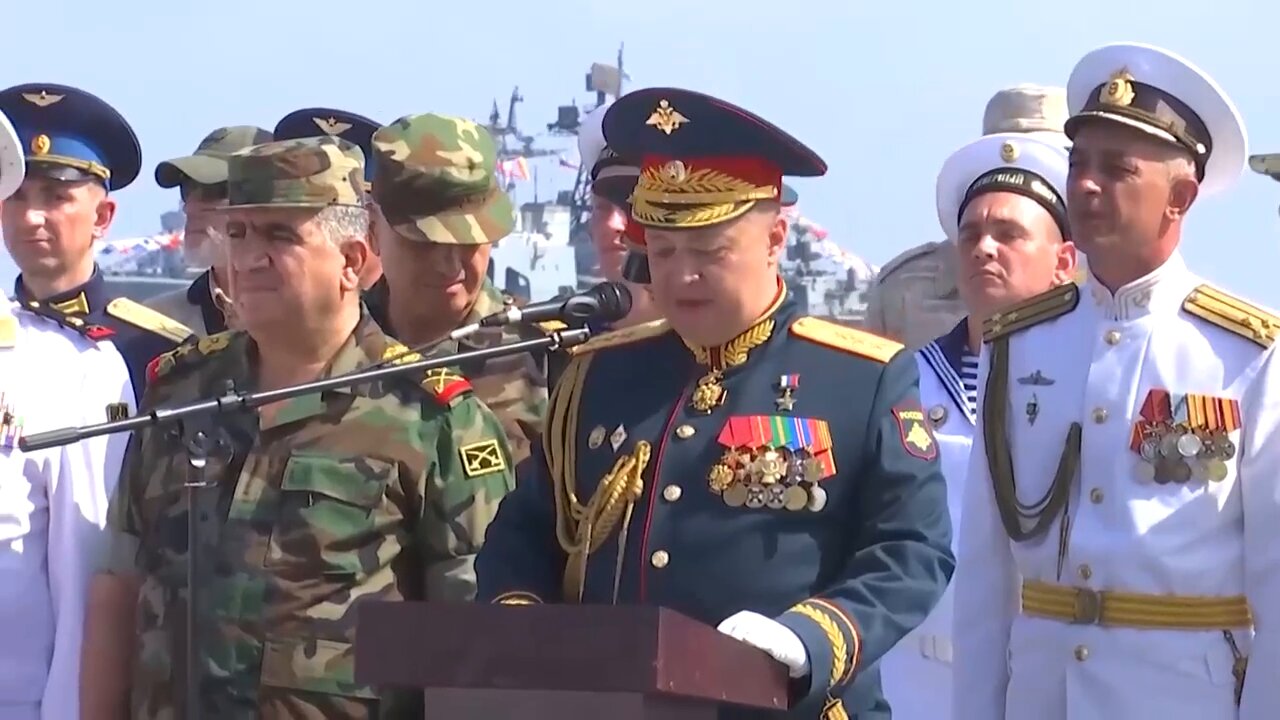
(671, 493)
(684, 432)
(1096, 495)
(1099, 415)
(1081, 653)
(1086, 572)
(660, 559)
(1112, 337)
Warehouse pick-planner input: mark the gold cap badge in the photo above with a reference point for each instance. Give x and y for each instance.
(331, 126)
(40, 144)
(1119, 91)
(1008, 152)
(666, 118)
(42, 98)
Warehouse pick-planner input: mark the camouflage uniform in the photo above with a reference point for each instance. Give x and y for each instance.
(914, 297)
(203, 306)
(434, 180)
(379, 492)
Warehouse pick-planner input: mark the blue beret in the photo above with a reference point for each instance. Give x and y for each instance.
(69, 134)
(317, 122)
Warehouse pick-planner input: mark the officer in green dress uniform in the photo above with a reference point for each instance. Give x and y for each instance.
(758, 470)
(78, 150)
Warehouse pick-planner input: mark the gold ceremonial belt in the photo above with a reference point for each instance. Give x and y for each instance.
(1084, 606)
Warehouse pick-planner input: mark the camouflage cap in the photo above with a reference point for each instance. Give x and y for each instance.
(208, 164)
(307, 172)
(434, 179)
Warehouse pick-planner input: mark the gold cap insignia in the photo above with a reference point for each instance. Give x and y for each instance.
(40, 144)
(1008, 152)
(42, 98)
(666, 118)
(675, 171)
(331, 126)
(1119, 91)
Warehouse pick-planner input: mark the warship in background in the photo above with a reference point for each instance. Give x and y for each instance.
(549, 254)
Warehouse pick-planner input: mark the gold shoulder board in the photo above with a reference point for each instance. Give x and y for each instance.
(850, 340)
(140, 315)
(625, 336)
(1233, 314)
(1032, 311)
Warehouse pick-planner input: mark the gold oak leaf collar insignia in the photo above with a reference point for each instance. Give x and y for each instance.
(709, 393)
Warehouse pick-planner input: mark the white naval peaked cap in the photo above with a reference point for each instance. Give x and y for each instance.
(591, 143)
(1023, 163)
(1161, 93)
(13, 165)
(1026, 108)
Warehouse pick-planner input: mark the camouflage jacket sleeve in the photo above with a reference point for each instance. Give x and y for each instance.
(469, 474)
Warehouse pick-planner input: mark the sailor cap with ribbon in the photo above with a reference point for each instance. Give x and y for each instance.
(1163, 94)
(1028, 164)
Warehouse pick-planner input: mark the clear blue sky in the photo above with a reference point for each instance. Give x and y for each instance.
(884, 91)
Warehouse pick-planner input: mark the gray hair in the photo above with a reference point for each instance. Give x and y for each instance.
(339, 222)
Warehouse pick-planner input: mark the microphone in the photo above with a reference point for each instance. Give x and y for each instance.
(606, 302)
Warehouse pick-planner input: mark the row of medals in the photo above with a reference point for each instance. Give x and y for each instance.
(1176, 455)
(775, 478)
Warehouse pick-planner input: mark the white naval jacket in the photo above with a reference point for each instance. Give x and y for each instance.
(916, 673)
(1095, 365)
(53, 506)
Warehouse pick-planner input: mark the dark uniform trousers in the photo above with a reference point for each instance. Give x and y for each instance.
(851, 564)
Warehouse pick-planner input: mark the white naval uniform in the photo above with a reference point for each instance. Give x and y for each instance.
(916, 674)
(53, 506)
(1095, 366)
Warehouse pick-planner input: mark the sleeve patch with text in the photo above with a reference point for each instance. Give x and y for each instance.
(913, 431)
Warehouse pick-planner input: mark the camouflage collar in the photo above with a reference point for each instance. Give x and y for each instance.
(366, 346)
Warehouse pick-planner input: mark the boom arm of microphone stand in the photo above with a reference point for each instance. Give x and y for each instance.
(237, 401)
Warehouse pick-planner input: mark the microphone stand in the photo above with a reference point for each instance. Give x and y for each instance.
(202, 435)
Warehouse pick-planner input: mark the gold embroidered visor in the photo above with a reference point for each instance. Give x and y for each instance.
(703, 161)
(698, 192)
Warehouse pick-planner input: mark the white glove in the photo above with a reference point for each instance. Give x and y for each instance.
(770, 636)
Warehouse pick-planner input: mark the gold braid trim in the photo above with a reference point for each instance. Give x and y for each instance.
(852, 629)
(560, 448)
(835, 637)
(618, 490)
(583, 529)
(834, 710)
(734, 352)
(517, 597)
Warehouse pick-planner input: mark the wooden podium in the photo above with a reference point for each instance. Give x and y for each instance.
(544, 662)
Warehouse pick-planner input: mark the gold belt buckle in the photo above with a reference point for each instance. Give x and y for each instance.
(1088, 607)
